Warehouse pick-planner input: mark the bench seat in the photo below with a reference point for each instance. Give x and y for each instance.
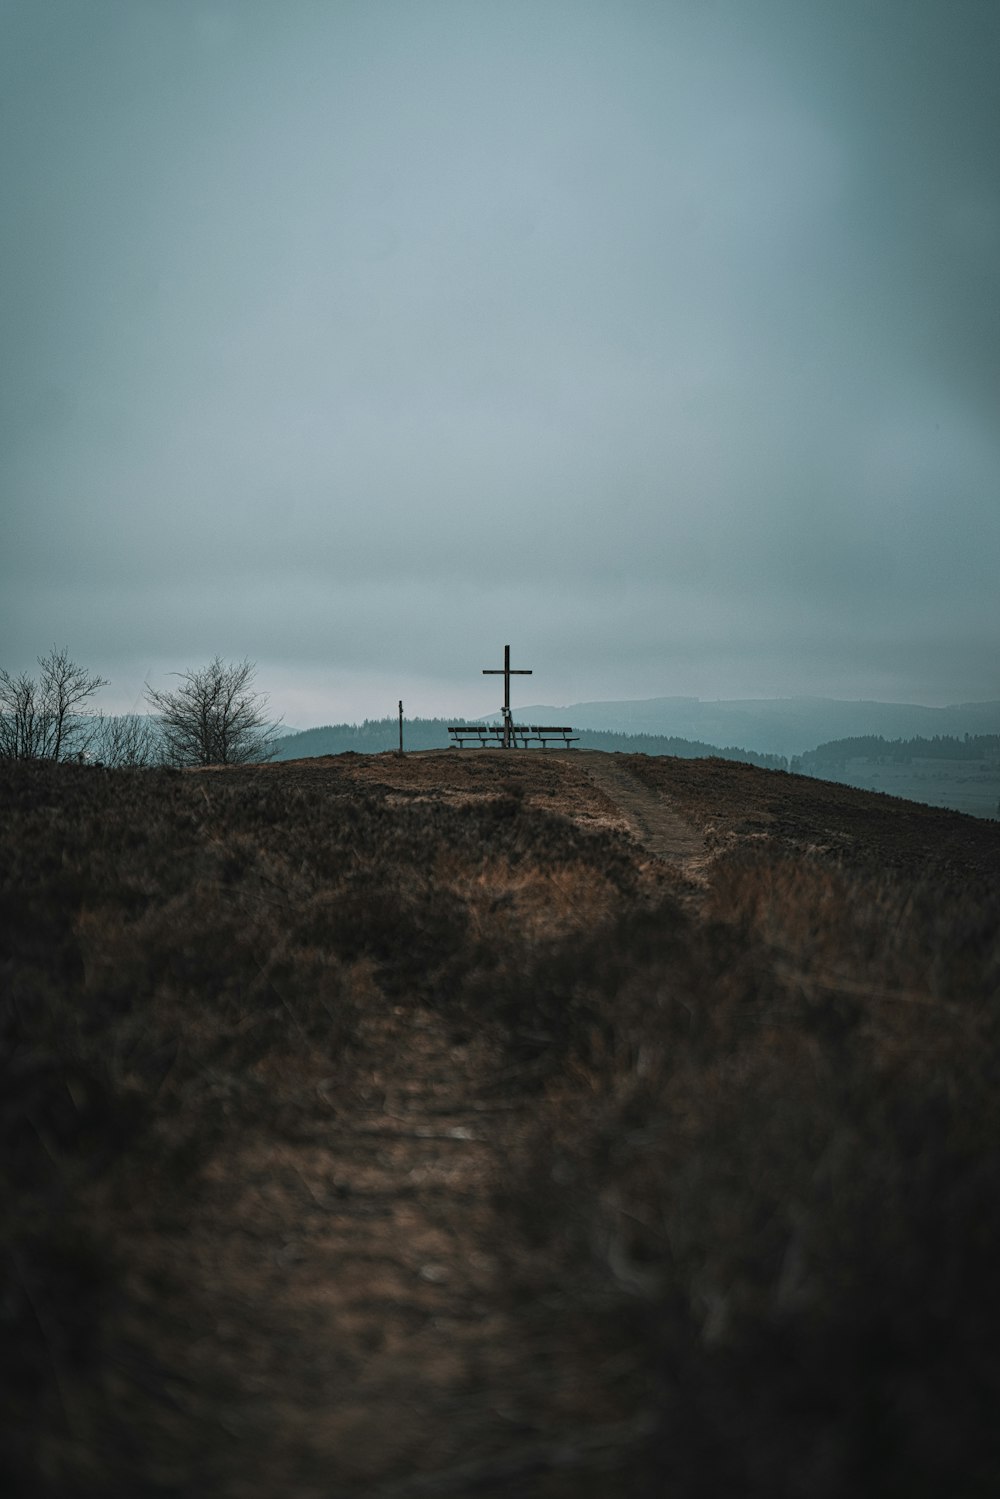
(484, 734)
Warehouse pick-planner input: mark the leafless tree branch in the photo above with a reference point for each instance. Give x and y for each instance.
(43, 719)
(215, 717)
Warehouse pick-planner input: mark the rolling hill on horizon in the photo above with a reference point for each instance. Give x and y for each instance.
(375, 736)
(762, 726)
(772, 726)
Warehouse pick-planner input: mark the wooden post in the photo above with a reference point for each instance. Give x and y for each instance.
(401, 726)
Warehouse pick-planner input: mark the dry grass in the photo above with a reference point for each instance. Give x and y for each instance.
(723, 1183)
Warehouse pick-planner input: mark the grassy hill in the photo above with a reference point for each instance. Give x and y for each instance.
(379, 1126)
(969, 782)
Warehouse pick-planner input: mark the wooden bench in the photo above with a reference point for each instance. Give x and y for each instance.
(547, 734)
(483, 735)
(490, 735)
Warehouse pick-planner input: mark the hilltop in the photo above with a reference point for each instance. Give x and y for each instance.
(374, 736)
(963, 773)
(563, 1124)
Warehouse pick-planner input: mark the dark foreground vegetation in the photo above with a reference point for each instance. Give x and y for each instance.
(747, 1196)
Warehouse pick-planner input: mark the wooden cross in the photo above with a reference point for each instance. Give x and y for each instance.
(506, 672)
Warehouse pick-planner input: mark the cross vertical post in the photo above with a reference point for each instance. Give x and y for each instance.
(506, 672)
(401, 726)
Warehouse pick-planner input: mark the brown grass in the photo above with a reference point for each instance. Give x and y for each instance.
(399, 1126)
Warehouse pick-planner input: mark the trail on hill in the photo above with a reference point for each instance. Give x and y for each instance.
(652, 821)
(349, 1307)
(347, 1296)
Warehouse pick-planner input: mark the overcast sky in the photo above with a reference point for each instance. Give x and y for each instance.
(661, 340)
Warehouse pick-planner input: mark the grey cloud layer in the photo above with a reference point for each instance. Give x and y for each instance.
(663, 335)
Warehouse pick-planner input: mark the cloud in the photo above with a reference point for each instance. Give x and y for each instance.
(363, 339)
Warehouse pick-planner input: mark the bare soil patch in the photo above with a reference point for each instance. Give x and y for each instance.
(648, 814)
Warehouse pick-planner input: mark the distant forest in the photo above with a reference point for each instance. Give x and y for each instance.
(378, 734)
(896, 751)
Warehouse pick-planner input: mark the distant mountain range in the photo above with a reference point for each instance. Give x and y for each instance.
(772, 726)
(761, 726)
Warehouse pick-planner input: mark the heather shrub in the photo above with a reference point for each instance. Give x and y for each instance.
(782, 1179)
(755, 1172)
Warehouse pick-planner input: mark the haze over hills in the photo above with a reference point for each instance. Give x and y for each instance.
(772, 726)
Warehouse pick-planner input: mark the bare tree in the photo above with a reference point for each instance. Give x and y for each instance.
(43, 719)
(65, 686)
(215, 717)
(21, 735)
(126, 741)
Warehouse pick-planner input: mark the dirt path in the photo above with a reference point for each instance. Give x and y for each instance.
(354, 1304)
(646, 812)
(346, 1297)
